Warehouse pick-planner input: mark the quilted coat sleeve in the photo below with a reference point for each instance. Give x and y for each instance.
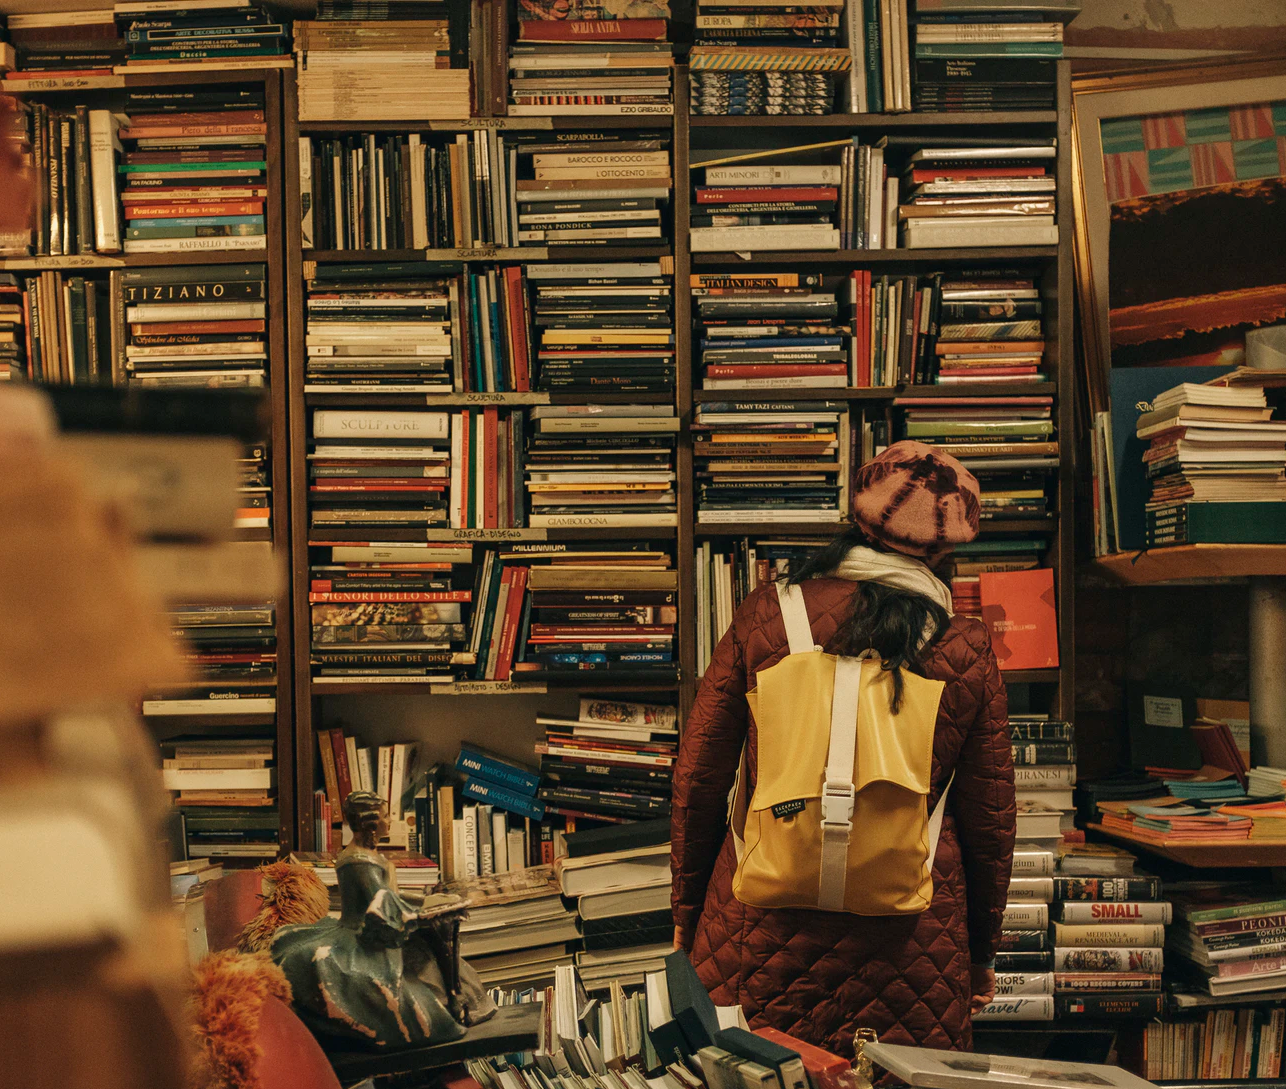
(709, 755)
(983, 801)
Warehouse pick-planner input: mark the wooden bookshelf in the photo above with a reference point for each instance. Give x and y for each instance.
(693, 138)
(108, 91)
(1178, 563)
(1208, 854)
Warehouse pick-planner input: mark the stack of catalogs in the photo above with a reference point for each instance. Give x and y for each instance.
(367, 574)
(1024, 995)
(381, 329)
(607, 607)
(578, 57)
(1227, 940)
(769, 59)
(602, 465)
(984, 55)
(195, 176)
(604, 328)
(775, 207)
(1086, 983)
(770, 336)
(13, 359)
(979, 196)
(1109, 955)
(770, 463)
(197, 327)
(65, 43)
(162, 35)
(407, 60)
(224, 795)
(635, 736)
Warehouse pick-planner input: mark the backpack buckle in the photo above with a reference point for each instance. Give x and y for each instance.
(838, 800)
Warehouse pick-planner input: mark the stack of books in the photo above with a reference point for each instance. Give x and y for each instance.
(1215, 461)
(1229, 1045)
(1025, 957)
(635, 737)
(619, 891)
(969, 352)
(222, 34)
(725, 578)
(580, 57)
(223, 790)
(767, 59)
(404, 60)
(196, 177)
(1114, 966)
(385, 329)
(503, 789)
(387, 770)
(773, 207)
(65, 44)
(193, 327)
(493, 635)
(766, 332)
(979, 196)
(590, 189)
(232, 646)
(1110, 982)
(1044, 755)
(518, 927)
(989, 555)
(466, 835)
(893, 329)
(987, 54)
(604, 328)
(13, 357)
(771, 463)
(607, 607)
(222, 772)
(1229, 939)
(601, 465)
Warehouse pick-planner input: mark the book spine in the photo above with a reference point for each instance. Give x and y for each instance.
(1107, 888)
(1107, 911)
(1109, 1006)
(504, 799)
(483, 766)
(1106, 959)
(342, 771)
(84, 200)
(329, 772)
(470, 840)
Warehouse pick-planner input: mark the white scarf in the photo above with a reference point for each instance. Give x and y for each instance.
(862, 564)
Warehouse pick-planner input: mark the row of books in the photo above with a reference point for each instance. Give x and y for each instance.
(1227, 1045)
(386, 62)
(135, 35)
(589, 58)
(179, 170)
(382, 191)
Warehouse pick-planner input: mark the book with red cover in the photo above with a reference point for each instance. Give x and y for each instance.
(826, 1070)
(1018, 609)
(592, 30)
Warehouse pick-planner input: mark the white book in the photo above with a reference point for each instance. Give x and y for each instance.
(223, 779)
(366, 768)
(500, 843)
(223, 705)
(979, 231)
(103, 145)
(517, 851)
(773, 175)
(182, 245)
(609, 271)
(1039, 890)
(471, 855)
(224, 311)
(801, 236)
(1116, 911)
(1009, 984)
(457, 850)
(338, 423)
(889, 231)
(612, 521)
(755, 515)
(660, 109)
(306, 191)
(403, 768)
(589, 234)
(1026, 916)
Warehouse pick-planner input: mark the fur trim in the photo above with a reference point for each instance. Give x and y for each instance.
(229, 991)
(291, 894)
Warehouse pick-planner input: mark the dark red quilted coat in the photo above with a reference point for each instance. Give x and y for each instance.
(821, 975)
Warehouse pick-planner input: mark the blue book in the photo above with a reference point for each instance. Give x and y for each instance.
(505, 773)
(501, 798)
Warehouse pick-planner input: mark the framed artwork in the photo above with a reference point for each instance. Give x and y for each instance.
(1179, 191)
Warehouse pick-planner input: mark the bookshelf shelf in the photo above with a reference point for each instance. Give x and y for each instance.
(1156, 566)
(1209, 854)
(508, 124)
(1030, 676)
(881, 393)
(323, 687)
(494, 253)
(376, 400)
(499, 536)
(132, 260)
(172, 723)
(880, 257)
(881, 120)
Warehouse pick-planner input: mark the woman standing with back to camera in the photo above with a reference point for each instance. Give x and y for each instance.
(911, 961)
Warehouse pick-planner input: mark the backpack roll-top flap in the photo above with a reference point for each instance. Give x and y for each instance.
(897, 748)
(791, 763)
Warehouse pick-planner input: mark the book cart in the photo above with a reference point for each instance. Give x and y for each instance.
(109, 91)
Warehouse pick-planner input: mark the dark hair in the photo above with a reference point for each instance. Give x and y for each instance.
(883, 618)
(362, 809)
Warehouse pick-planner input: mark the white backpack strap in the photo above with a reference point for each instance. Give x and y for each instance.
(799, 633)
(838, 793)
(935, 821)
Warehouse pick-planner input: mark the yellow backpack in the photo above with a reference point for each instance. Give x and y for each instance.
(839, 817)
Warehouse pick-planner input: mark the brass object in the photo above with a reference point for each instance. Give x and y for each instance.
(863, 1067)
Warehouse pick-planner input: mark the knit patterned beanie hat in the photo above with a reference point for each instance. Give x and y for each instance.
(914, 500)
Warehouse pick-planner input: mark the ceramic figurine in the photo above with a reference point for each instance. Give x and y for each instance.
(386, 971)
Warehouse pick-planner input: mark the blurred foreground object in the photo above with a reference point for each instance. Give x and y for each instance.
(93, 975)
